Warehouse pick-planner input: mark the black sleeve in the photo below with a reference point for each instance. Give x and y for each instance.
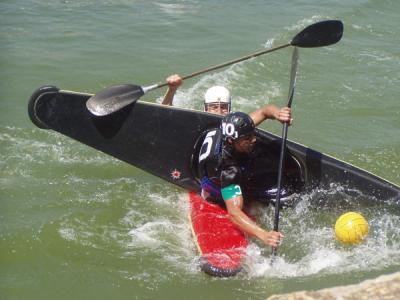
(230, 175)
(230, 170)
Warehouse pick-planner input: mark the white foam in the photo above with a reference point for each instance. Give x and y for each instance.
(173, 8)
(68, 234)
(305, 22)
(147, 235)
(268, 44)
(378, 56)
(310, 248)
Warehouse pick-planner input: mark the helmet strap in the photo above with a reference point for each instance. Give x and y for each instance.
(229, 141)
(219, 102)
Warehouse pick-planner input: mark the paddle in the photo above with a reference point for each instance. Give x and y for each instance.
(293, 74)
(117, 97)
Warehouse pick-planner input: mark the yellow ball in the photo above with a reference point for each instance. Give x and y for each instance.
(351, 228)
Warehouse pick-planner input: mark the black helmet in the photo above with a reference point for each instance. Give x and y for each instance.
(236, 125)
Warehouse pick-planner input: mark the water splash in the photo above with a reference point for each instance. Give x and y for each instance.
(310, 248)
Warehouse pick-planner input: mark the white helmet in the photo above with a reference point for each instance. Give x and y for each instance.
(217, 94)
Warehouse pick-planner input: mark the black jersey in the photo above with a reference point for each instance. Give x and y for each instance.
(255, 172)
(210, 156)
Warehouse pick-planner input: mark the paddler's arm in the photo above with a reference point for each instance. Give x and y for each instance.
(239, 218)
(270, 111)
(174, 81)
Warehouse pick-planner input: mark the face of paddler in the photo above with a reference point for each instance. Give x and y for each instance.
(245, 144)
(218, 108)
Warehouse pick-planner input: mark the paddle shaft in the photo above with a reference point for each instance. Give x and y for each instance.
(228, 63)
(117, 97)
(293, 75)
(316, 35)
(281, 164)
(278, 197)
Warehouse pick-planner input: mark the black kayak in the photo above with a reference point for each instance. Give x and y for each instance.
(165, 141)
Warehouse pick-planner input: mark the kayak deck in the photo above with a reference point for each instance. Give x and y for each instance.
(221, 244)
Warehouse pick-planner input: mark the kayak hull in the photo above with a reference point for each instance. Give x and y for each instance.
(164, 141)
(221, 244)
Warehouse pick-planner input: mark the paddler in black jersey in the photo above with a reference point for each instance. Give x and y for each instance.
(228, 161)
(244, 154)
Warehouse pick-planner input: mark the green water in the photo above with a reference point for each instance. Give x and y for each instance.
(77, 224)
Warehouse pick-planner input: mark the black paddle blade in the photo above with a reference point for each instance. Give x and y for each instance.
(320, 34)
(113, 99)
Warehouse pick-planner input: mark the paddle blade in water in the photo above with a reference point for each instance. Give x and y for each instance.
(320, 34)
(113, 99)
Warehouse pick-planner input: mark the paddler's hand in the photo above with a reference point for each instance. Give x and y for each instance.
(174, 81)
(272, 238)
(284, 115)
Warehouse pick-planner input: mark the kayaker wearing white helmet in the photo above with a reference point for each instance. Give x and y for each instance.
(221, 178)
(217, 99)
